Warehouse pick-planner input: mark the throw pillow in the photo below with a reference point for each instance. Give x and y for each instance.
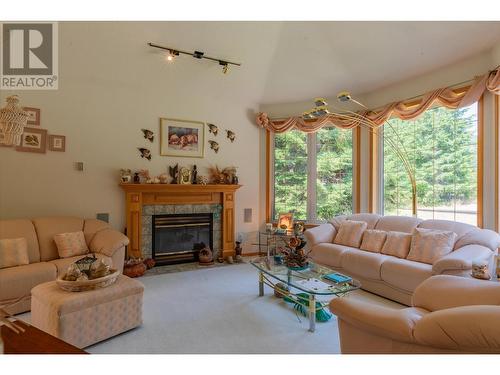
(71, 244)
(350, 233)
(428, 245)
(13, 252)
(397, 244)
(373, 240)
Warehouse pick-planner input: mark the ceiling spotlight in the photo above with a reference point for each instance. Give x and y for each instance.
(225, 66)
(171, 54)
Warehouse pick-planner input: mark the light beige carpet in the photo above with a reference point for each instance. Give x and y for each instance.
(218, 311)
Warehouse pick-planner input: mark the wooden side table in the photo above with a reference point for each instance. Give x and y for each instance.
(34, 341)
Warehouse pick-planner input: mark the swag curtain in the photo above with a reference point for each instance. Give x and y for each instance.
(444, 96)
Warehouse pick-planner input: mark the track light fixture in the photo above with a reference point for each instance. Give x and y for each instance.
(225, 66)
(172, 53)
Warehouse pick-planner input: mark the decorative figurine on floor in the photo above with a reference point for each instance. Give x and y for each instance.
(148, 134)
(205, 255)
(281, 290)
(238, 251)
(174, 173)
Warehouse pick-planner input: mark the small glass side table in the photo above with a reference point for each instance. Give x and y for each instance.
(270, 242)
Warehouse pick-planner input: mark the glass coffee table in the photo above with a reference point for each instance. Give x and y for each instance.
(309, 281)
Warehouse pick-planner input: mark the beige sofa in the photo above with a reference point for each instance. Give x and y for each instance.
(449, 315)
(45, 264)
(393, 277)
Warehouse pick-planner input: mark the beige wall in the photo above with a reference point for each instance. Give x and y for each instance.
(112, 85)
(449, 75)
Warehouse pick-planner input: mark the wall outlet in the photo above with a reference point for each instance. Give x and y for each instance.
(103, 217)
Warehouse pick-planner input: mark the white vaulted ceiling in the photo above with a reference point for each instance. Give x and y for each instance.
(294, 61)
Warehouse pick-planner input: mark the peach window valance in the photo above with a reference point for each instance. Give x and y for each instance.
(444, 96)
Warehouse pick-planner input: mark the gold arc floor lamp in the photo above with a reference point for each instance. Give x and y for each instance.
(396, 144)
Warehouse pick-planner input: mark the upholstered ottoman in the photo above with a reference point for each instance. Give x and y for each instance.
(84, 318)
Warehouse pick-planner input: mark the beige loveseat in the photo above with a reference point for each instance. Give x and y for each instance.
(450, 314)
(393, 277)
(45, 264)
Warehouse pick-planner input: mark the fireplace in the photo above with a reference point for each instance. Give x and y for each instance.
(177, 238)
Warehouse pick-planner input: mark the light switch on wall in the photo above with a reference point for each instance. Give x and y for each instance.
(79, 165)
(247, 215)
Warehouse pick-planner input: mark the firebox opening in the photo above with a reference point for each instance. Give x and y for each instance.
(178, 238)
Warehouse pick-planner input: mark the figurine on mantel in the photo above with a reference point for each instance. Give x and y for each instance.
(174, 173)
(194, 175)
(137, 178)
(126, 176)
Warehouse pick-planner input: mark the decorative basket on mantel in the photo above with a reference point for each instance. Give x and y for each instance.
(85, 285)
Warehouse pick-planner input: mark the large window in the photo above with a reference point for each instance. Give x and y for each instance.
(313, 174)
(442, 146)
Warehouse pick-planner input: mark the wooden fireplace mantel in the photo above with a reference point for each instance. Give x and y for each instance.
(138, 195)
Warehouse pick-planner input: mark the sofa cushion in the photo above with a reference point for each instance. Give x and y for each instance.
(20, 280)
(25, 229)
(370, 219)
(447, 225)
(404, 274)
(398, 223)
(329, 254)
(47, 227)
(373, 240)
(363, 263)
(63, 264)
(13, 252)
(397, 244)
(337, 220)
(71, 244)
(429, 245)
(350, 233)
(483, 237)
(91, 227)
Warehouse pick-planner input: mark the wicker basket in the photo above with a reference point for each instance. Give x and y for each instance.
(82, 286)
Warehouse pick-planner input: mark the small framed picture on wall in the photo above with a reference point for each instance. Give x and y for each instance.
(57, 143)
(33, 116)
(33, 140)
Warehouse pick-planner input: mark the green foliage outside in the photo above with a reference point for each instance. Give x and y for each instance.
(442, 146)
(333, 153)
